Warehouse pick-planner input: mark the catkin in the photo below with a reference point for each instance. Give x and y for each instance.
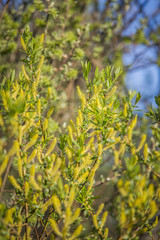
(33, 154)
(8, 218)
(71, 197)
(56, 176)
(34, 90)
(116, 157)
(83, 177)
(104, 218)
(80, 94)
(95, 221)
(72, 125)
(68, 215)
(26, 127)
(46, 205)
(14, 182)
(34, 183)
(80, 116)
(83, 102)
(45, 125)
(70, 132)
(100, 209)
(4, 165)
(111, 92)
(98, 104)
(135, 120)
(142, 142)
(49, 92)
(122, 149)
(40, 63)
(145, 152)
(25, 73)
(76, 172)
(106, 233)
(57, 204)
(75, 215)
(130, 134)
(20, 167)
(50, 111)
(82, 98)
(31, 142)
(90, 142)
(1, 121)
(39, 153)
(17, 149)
(69, 153)
(56, 167)
(12, 150)
(77, 232)
(100, 149)
(5, 100)
(38, 77)
(51, 147)
(42, 38)
(55, 227)
(26, 189)
(23, 44)
(32, 171)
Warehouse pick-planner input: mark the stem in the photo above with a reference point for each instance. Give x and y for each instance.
(5, 9)
(26, 221)
(108, 179)
(36, 232)
(44, 225)
(152, 170)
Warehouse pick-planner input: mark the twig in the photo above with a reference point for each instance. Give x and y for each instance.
(36, 232)
(26, 221)
(44, 226)
(5, 9)
(7, 190)
(158, 175)
(17, 225)
(108, 179)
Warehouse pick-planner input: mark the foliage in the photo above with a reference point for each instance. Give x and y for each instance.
(154, 113)
(52, 176)
(76, 31)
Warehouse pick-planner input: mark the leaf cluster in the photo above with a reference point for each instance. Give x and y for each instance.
(52, 176)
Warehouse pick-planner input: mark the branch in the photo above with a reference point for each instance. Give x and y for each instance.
(4, 10)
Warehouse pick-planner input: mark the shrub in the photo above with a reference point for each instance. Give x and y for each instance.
(77, 31)
(48, 179)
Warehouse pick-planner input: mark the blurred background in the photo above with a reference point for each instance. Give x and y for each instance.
(143, 74)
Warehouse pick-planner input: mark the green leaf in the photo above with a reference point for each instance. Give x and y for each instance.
(138, 97)
(157, 99)
(12, 77)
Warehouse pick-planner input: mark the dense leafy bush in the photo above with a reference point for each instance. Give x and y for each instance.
(62, 178)
(76, 31)
(48, 178)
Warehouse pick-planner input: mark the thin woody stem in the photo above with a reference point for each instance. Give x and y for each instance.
(26, 231)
